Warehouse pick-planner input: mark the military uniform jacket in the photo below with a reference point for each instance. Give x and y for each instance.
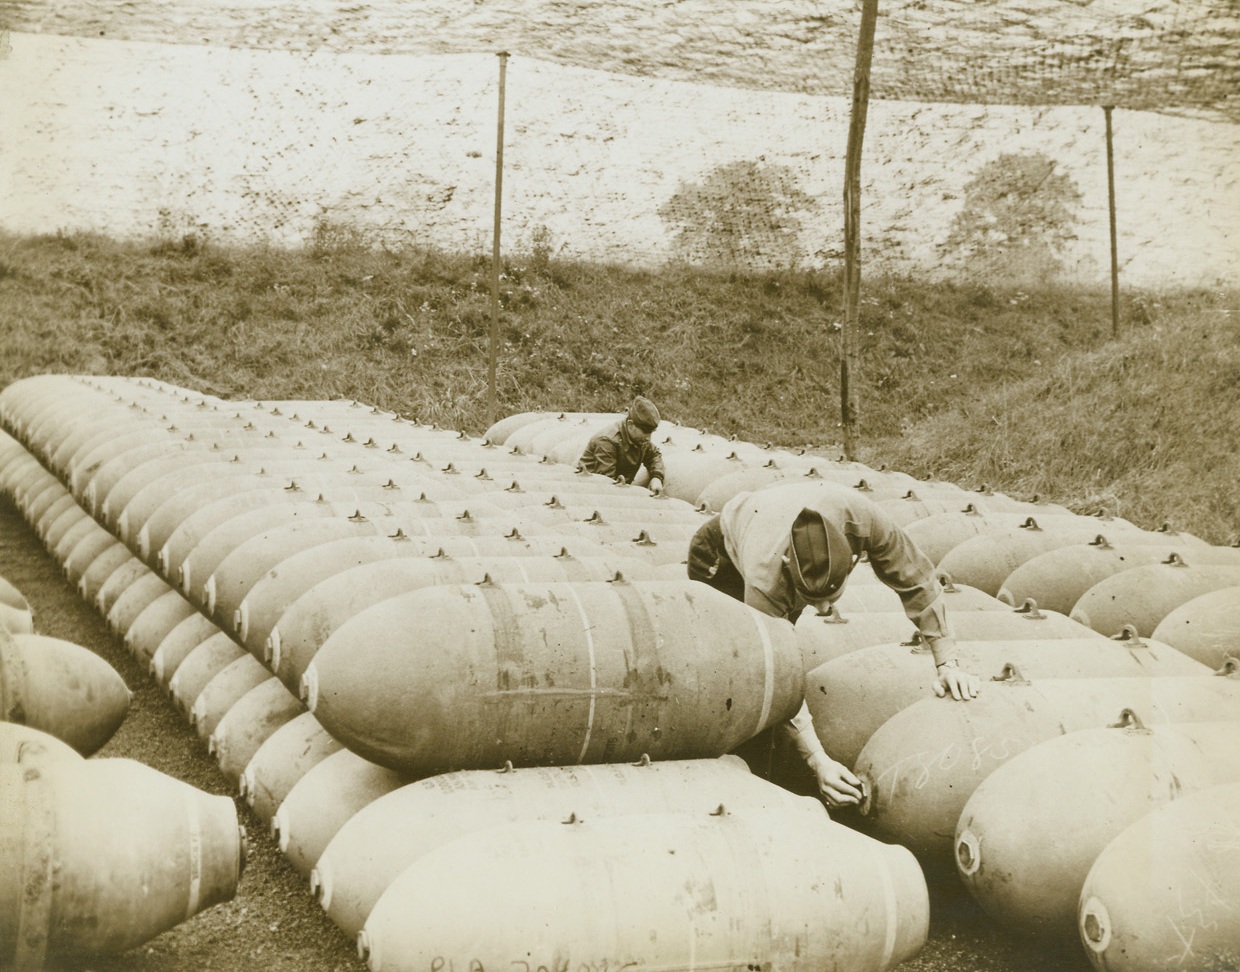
(614, 453)
(757, 528)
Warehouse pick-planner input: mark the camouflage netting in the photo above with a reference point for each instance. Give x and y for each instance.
(638, 132)
(1147, 55)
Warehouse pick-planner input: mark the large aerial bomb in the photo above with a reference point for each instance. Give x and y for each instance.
(384, 838)
(178, 644)
(988, 559)
(16, 617)
(195, 509)
(38, 503)
(864, 593)
(1143, 596)
(29, 746)
(61, 513)
(273, 595)
(72, 520)
(1024, 845)
(917, 504)
(553, 674)
(307, 622)
(85, 552)
(202, 664)
(665, 543)
(115, 556)
(784, 888)
(84, 529)
(1164, 894)
(1206, 628)
(88, 449)
(224, 690)
(669, 511)
(823, 637)
(134, 600)
(512, 494)
(61, 688)
(249, 722)
(380, 490)
(761, 472)
(323, 799)
(237, 574)
(154, 623)
(1057, 578)
(499, 432)
(323, 521)
(690, 472)
(101, 855)
(524, 437)
(166, 544)
(922, 765)
(937, 535)
(165, 502)
(111, 492)
(120, 580)
(121, 470)
(851, 696)
(281, 760)
(21, 474)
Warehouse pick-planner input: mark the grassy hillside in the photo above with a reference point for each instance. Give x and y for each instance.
(1025, 392)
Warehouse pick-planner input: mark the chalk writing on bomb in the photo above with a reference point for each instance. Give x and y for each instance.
(916, 770)
(559, 964)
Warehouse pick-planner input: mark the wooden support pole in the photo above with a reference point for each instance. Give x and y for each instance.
(492, 399)
(852, 228)
(1114, 244)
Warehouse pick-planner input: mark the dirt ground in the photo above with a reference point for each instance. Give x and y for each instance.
(273, 923)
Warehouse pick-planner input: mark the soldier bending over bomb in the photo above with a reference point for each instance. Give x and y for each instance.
(782, 548)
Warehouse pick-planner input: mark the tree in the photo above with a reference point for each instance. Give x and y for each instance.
(741, 215)
(1019, 214)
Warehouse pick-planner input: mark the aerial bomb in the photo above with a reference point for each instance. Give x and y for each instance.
(553, 674)
(1164, 893)
(784, 888)
(102, 855)
(61, 688)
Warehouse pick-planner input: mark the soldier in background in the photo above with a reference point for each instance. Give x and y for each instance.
(786, 547)
(620, 450)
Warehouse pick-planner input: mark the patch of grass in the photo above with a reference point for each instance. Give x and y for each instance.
(1024, 391)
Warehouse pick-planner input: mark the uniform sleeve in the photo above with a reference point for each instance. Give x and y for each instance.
(901, 565)
(652, 459)
(765, 604)
(600, 457)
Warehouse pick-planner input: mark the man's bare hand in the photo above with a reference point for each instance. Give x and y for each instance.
(961, 684)
(837, 784)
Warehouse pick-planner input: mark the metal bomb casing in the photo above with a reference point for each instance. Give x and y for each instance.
(922, 765)
(555, 673)
(388, 835)
(61, 688)
(851, 696)
(1164, 892)
(100, 855)
(1025, 845)
(759, 888)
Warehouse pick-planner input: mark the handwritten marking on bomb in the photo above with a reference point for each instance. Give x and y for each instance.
(559, 964)
(917, 769)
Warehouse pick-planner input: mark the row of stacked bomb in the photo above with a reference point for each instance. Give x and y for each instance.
(1041, 858)
(811, 632)
(97, 855)
(738, 817)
